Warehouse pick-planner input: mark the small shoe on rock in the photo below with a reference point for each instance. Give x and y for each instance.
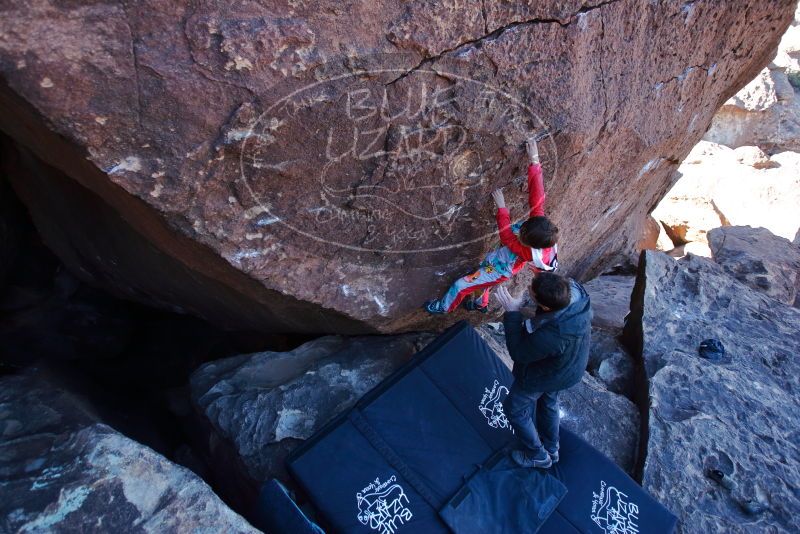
(472, 305)
(540, 460)
(721, 478)
(435, 307)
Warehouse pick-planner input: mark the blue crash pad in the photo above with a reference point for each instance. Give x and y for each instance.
(424, 451)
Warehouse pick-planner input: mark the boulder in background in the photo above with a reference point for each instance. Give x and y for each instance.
(758, 258)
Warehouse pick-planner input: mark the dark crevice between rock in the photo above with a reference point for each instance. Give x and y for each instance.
(633, 339)
(485, 19)
(477, 42)
(130, 363)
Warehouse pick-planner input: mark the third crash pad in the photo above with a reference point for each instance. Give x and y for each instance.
(427, 451)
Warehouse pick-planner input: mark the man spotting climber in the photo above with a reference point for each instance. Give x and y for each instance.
(531, 242)
(550, 353)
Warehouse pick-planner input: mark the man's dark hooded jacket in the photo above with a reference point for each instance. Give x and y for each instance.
(550, 351)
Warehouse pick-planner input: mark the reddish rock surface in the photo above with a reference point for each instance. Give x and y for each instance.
(326, 166)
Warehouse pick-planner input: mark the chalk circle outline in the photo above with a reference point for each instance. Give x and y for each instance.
(367, 72)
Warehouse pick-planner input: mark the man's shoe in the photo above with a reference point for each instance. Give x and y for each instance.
(531, 459)
(435, 307)
(472, 305)
(553, 456)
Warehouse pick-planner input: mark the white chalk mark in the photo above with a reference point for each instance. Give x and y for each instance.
(650, 165)
(382, 307)
(268, 221)
(131, 163)
(245, 255)
(612, 210)
(582, 21)
(254, 212)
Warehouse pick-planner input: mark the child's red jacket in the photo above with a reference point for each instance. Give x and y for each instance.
(541, 259)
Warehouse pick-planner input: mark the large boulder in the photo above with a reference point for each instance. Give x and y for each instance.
(688, 211)
(318, 167)
(737, 414)
(62, 471)
(611, 297)
(763, 197)
(608, 421)
(719, 187)
(261, 406)
(758, 258)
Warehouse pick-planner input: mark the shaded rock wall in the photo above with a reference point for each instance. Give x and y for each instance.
(324, 167)
(10, 215)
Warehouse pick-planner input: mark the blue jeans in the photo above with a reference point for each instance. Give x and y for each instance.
(533, 414)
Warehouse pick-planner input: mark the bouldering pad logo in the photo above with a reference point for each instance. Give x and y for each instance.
(613, 512)
(491, 406)
(383, 506)
(383, 157)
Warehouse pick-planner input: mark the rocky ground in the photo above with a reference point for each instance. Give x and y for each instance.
(736, 413)
(64, 471)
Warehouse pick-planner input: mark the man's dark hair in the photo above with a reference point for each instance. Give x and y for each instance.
(538, 232)
(552, 290)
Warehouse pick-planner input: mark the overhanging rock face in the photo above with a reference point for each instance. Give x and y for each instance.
(320, 167)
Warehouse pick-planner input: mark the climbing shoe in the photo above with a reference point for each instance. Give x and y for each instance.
(435, 307)
(712, 349)
(472, 305)
(523, 458)
(553, 455)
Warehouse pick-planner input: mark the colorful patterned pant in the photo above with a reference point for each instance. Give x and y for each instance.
(483, 279)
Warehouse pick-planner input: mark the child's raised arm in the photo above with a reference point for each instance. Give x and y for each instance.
(536, 194)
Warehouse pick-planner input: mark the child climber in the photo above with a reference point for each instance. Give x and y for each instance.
(533, 241)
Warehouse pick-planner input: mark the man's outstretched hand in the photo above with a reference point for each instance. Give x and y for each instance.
(499, 199)
(507, 301)
(533, 150)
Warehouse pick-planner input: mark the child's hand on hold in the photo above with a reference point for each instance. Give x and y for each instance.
(499, 199)
(533, 150)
